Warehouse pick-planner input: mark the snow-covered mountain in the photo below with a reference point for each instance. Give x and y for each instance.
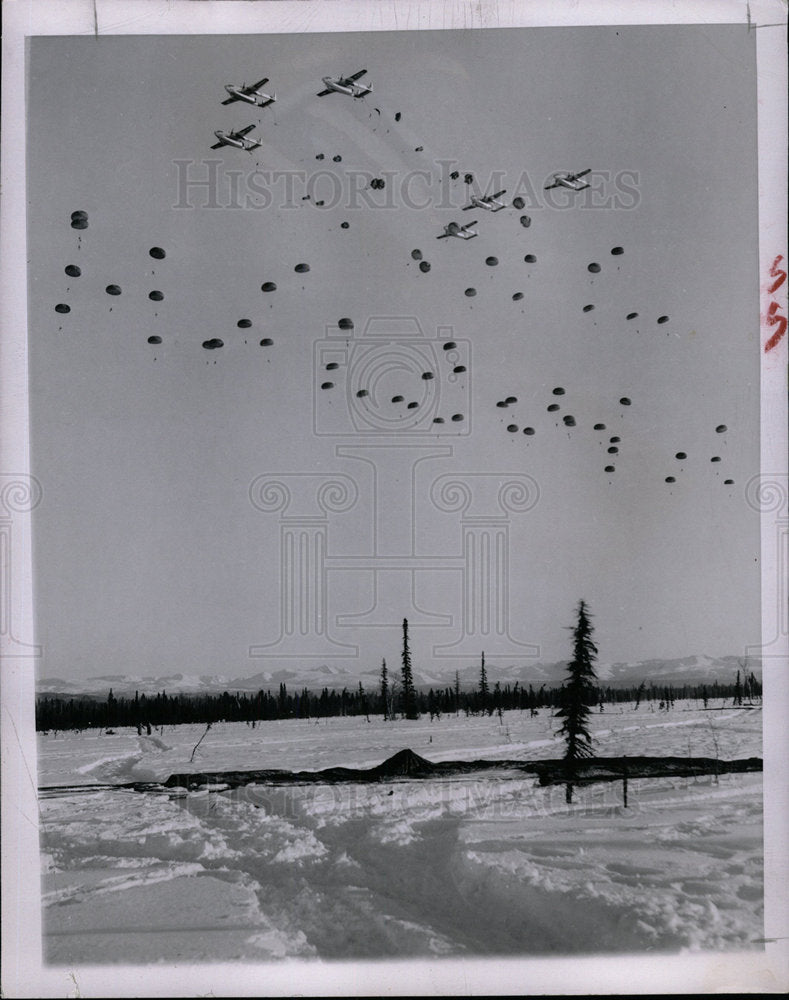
(689, 669)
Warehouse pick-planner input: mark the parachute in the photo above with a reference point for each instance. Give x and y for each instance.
(617, 251)
(113, 290)
(427, 376)
(569, 420)
(416, 255)
(662, 319)
(599, 427)
(512, 428)
(491, 261)
(327, 385)
(79, 214)
(614, 440)
(438, 420)
(502, 404)
(528, 430)
(609, 468)
(558, 391)
(631, 316)
(450, 345)
(397, 116)
(624, 401)
(469, 179)
(721, 429)
(266, 342)
(213, 344)
(397, 399)
(613, 450)
(517, 296)
(594, 268)
(79, 220)
(589, 308)
(518, 203)
(72, 270)
(337, 158)
(728, 482)
(511, 399)
(361, 393)
(301, 268)
(680, 455)
(553, 408)
(459, 369)
(345, 324)
(525, 221)
(157, 253)
(470, 292)
(670, 479)
(457, 417)
(454, 175)
(419, 149)
(154, 340)
(244, 324)
(424, 267)
(268, 286)
(332, 366)
(530, 258)
(344, 225)
(155, 296)
(412, 406)
(715, 458)
(61, 307)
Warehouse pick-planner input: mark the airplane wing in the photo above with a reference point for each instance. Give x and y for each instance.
(256, 86)
(229, 100)
(244, 131)
(549, 186)
(467, 207)
(468, 225)
(583, 173)
(498, 194)
(218, 145)
(323, 93)
(355, 77)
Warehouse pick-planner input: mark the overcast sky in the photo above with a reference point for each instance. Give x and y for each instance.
(149, 556)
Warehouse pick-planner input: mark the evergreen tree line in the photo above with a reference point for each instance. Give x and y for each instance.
(390, 700)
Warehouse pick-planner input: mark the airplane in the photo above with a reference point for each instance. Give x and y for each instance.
(347, 85)
(236, 138)
(490, 202)
(250, 94)
(462, 232)
(569, 181)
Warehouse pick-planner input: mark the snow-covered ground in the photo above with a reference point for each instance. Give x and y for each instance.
(472, 865)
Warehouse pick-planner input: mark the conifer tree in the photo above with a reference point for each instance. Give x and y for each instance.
(385, 689)
(483, 686)
(578, 694)
(409, 694)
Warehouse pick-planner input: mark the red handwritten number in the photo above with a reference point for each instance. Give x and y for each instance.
(778, 274)
(773, 320)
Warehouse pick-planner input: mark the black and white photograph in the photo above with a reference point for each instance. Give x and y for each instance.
(394, 510)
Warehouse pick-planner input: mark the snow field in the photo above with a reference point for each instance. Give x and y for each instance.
(471, 865)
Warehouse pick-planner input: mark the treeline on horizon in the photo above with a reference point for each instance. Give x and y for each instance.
(141, 711)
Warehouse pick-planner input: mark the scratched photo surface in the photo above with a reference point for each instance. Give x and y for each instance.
(402, 373)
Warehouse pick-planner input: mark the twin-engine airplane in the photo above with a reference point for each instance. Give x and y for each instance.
(251, 94)
(346, 85)
(237, 139)
(569, 181)
(490, 202)
(462, 232)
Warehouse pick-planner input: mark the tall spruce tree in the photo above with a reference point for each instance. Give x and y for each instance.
(578, 695)
(385, 689)
(409, 694)
(483, 686)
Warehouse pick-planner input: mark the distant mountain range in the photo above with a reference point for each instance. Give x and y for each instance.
(686, 670)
